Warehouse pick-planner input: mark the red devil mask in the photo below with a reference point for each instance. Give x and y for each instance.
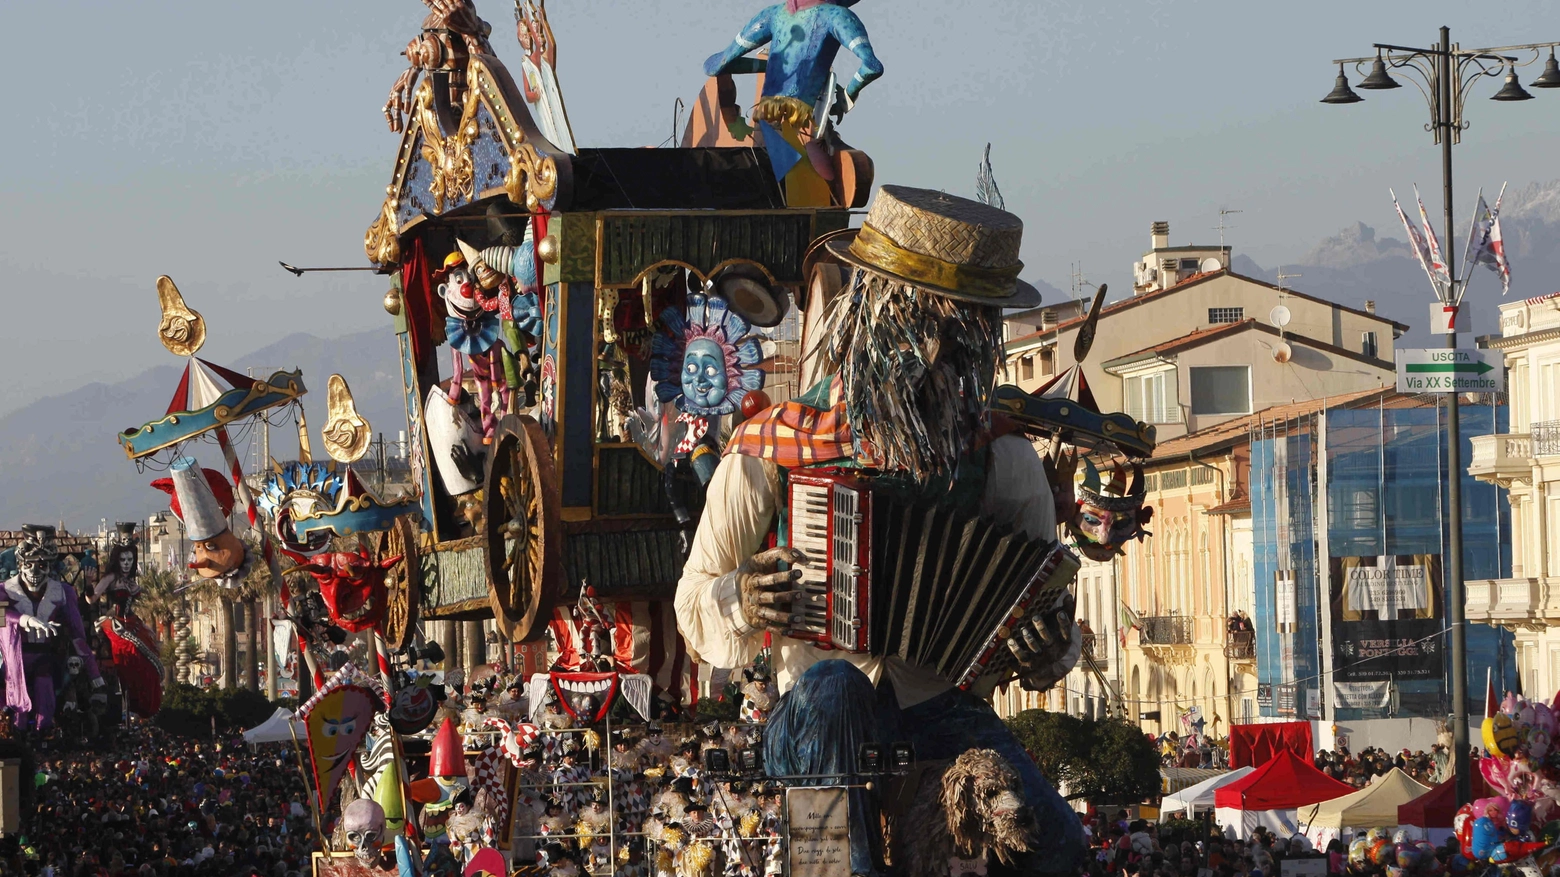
(353, 587)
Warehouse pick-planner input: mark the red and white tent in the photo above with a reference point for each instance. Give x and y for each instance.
(1270, 795)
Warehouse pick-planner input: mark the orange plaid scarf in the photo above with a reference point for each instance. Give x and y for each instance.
(800, 432)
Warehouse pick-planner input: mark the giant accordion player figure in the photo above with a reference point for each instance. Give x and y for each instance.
(940, 524)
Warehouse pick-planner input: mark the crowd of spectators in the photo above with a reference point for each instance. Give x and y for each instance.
(153, 804)
(1144, 849)
(1359, 770)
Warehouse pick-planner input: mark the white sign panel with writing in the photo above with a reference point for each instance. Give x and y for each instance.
(1388, 588)
(819, 821)
(1450, 371)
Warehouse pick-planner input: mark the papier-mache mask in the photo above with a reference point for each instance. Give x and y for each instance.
(705, 361)
(337, 718)
(1108, 516)
(353, 587)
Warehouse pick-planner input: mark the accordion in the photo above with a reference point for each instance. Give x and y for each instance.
(917, 581)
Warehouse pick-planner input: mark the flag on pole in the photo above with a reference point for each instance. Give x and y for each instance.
(1485, 241)
(1439, 274)
(1416, 242)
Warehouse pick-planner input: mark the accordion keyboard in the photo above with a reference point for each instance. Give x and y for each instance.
(809, 534)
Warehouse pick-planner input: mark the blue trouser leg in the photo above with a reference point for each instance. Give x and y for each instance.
(816, 728)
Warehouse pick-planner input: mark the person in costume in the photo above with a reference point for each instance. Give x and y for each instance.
(43, 629)
(911, 348)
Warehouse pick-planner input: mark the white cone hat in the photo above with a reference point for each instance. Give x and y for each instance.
(198, 507)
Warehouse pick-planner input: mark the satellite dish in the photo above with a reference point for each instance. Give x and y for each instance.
(1210, 265)
(1282, 352)
(1279, 316)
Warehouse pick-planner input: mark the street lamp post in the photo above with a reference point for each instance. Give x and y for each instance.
(1444, 74)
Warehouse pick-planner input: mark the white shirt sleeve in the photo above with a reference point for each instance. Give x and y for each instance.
(1017, 489)
(739, 510)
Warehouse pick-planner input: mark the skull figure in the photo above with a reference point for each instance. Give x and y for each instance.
(353, 586)
(364, 822)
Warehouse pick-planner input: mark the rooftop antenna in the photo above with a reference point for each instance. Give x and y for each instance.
(1081, 284)
(1223, 212)
(1282, 277)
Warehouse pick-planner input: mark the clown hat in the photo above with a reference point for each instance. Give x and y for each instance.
(447, 758)
(201, 498)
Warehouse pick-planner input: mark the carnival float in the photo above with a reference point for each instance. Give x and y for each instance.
(668, 412)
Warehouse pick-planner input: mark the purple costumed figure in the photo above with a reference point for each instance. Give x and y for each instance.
(42, 629)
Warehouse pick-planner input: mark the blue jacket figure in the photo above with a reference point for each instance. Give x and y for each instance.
(803, 37)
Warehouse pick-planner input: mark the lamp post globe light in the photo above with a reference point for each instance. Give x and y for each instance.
(1444, 75)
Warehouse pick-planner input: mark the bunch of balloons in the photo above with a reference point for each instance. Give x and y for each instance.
(1524, 761)
(1400, 855)
(1496, 830)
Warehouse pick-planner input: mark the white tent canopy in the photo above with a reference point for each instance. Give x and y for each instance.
(1195, 799)
(279, 728)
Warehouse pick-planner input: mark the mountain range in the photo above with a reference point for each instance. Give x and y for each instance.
(62, 463)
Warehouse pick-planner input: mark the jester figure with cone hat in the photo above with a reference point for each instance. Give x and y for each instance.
(202, 501)
(446, 784)
(43, 631)
(906, 348)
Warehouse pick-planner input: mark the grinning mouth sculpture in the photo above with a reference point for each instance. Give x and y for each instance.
(589, 693)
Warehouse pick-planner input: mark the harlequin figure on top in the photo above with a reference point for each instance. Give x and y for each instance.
(803, 38)
(910, 349)
(136, 656)
(43, 627)
(202, 499)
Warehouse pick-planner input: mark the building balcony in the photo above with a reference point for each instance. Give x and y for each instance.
(1168, 639)
(1240, 645)
(1531, 603)
(1546, 438)
(1504, 458)
(1092, 647)
(1166, 630)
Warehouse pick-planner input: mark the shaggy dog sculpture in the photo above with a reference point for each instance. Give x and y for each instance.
(964, 813)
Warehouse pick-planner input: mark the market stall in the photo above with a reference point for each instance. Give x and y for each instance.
(1196, 798)
(1270, 796)
(1432, 812)
(1374, 806)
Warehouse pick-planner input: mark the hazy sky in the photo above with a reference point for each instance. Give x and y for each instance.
(207, 140)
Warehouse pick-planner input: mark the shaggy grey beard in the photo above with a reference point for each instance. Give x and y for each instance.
(918, 371)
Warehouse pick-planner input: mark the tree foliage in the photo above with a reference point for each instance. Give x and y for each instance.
(1108, 761)
(187, 710)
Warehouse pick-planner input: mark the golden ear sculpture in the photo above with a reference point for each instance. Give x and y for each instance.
(182, 330)
(346, 433)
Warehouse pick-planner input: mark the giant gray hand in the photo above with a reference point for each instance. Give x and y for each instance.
(34, 625)
(766, 593)
(1047, 645)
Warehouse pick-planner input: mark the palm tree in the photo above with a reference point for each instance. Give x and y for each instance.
(258, 587)
(159, 603)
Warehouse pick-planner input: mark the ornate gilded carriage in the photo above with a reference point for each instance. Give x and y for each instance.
(564, 500)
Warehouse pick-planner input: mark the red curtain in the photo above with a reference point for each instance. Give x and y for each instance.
(1255, 745)
(417, 301)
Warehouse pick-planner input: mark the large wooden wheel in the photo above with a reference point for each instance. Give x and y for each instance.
(403, 582)
(522, 529)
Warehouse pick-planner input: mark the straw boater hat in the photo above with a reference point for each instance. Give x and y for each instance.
(944, 244)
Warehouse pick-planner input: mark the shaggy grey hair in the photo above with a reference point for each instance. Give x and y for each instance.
(972, 807)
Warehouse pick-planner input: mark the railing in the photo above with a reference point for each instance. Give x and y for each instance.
(1241, 645)
(1546, 437)
(1166, 630)
(1491, 451)
(1090, 642)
